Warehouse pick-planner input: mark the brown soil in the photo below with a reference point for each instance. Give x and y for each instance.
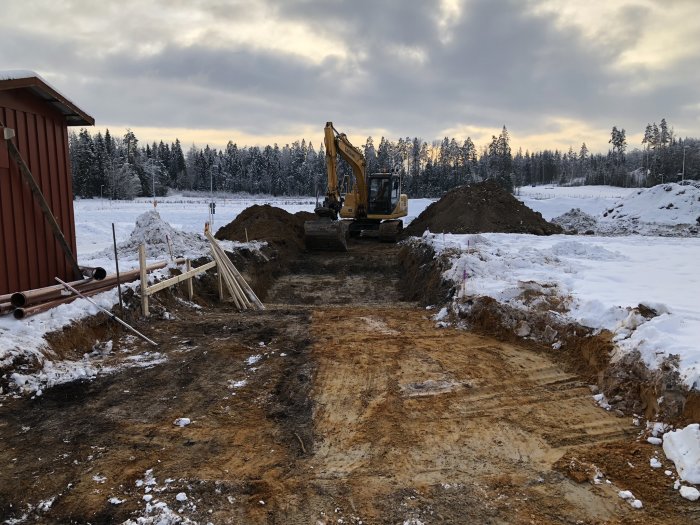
(282, 230)
(358, 409)
(476, 208)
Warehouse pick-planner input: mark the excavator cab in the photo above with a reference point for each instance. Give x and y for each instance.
(384, 192)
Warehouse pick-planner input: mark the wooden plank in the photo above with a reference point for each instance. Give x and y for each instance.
(150, 290)
(235, 273)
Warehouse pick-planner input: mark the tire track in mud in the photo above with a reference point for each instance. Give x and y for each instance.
(496, 411)
(412, 421)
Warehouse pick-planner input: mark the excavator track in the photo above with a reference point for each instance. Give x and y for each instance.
(326, 234)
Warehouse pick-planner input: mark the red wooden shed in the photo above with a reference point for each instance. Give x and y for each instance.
(30, 255)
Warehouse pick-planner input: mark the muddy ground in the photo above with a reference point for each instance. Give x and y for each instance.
(342, 402)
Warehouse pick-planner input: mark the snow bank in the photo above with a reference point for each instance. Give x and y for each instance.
(601, 280)
(683, 448)
(666, 209)
(669, 204)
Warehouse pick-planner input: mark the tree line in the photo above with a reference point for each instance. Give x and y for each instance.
(123, 169)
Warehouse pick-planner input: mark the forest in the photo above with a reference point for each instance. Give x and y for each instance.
(121, 168)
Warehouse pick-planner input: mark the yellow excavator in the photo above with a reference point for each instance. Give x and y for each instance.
(368, 206)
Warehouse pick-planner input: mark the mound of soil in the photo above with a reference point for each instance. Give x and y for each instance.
(478, 208)
(279, 228)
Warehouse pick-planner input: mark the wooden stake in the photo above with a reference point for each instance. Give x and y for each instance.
(190, 286)
(116, 263)
(238, 278)
(221, 283)
(144, 280)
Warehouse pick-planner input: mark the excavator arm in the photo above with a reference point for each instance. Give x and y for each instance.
(338, 144)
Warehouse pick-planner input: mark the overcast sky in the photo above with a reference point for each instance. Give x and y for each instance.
(555, 72)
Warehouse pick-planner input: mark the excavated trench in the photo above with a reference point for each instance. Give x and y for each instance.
(342, 402)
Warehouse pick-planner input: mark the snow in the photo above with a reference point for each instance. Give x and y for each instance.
(182, 421)
(690, 493)
(552, 201)
(181, 496)
(654, 463)
(682, 446)
(666, 209)
(601, 279)
(16, 74)
(253, 359)
(662, 204)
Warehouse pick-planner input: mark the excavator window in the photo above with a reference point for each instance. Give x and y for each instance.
(395, 192)
(380, 195)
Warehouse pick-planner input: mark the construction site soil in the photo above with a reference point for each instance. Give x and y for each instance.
(342, 402)
(477, 208)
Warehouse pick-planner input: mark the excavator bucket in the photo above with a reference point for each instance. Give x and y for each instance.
(326, 234)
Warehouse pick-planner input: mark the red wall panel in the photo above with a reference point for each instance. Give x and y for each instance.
(31, 257)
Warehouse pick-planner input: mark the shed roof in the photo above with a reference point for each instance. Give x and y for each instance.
(25, 79)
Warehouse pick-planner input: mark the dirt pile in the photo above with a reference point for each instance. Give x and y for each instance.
(279, 228)
(477, 208)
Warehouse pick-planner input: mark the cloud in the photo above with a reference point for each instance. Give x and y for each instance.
(278, 68)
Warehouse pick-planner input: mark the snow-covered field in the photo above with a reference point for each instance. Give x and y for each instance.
(552, 201)
(94, 218)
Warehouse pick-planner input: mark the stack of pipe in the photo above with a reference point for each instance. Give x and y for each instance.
(30, 302)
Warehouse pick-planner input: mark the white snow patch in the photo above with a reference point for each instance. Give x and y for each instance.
(181, 496)
(441, 315)
(253, 359)
(602, 401)
(683, 448)
(182, 421)
(654, 463)
(690, 493)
